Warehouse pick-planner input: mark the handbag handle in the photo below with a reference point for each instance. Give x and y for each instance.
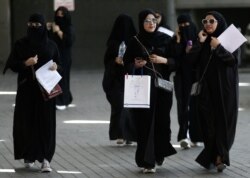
(33, 72)
(205, 70)
(134, 71)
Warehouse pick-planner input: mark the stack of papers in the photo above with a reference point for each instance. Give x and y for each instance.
(231, 39)
(46, 77)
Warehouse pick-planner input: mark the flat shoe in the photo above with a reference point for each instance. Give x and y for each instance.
(220, 167)
(184, 143)
(28, 164)
(120, 142)
(148, 170)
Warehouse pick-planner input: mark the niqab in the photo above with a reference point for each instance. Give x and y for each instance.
(65, 21)
(187, 32)
(37, 36)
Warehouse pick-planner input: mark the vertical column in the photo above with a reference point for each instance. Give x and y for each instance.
(171, 15)
(5, 42)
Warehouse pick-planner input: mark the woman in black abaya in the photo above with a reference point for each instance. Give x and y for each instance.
(152, 124)
(34, 128)
(183, 79)
(62, 32)
(218, 100)
(113, 80)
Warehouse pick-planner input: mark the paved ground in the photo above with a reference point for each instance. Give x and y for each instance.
(84, 150)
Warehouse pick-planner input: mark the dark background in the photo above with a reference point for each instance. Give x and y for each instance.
(93, 20)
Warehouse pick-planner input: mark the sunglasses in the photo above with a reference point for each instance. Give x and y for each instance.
(210, 21)
(148, 21)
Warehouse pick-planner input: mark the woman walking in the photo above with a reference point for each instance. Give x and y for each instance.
(152, 124)
(218, 100)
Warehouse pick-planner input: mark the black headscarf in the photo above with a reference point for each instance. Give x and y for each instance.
(187, 32)
(184, 18)
(222, 24)
(149, 38)
(65, 21)
(37, 36)
(122, 30)
(163, 20)
(142, 16)
(206, 51)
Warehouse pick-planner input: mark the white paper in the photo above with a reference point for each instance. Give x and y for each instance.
(166, 31)
(46, 77)
(137, 91)
(231, 38)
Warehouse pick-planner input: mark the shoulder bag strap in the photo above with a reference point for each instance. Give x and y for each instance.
(155, 72)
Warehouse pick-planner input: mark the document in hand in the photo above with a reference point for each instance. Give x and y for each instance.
(231, 38)
(166, 31)
(46, 77)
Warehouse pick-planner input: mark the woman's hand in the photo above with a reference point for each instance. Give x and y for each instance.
(119, 60)
(158, 59)
(178, 35)
(53, 67)
(202, 36)
(140, 62)
(55, 28)
(31, 61)
(214, 42)
(49, 25)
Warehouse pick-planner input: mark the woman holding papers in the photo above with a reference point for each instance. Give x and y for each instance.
(218, 99)
(152, 124)
(34, 125)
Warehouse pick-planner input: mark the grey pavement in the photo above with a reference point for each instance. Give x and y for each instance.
(83, 148)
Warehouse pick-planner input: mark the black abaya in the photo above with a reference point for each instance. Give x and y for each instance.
(65, 48)
(218, 100)
(153, 124)
(34, 128)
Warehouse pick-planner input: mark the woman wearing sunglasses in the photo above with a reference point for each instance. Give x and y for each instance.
(218, 99)
(151, 48)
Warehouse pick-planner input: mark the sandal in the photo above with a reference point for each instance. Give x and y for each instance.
(219, 164)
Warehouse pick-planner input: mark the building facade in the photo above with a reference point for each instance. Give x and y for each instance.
(93, 20)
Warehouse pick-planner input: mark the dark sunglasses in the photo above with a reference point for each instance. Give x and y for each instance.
(205, 21)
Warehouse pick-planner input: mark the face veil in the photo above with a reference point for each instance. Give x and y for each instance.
(37, 34)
